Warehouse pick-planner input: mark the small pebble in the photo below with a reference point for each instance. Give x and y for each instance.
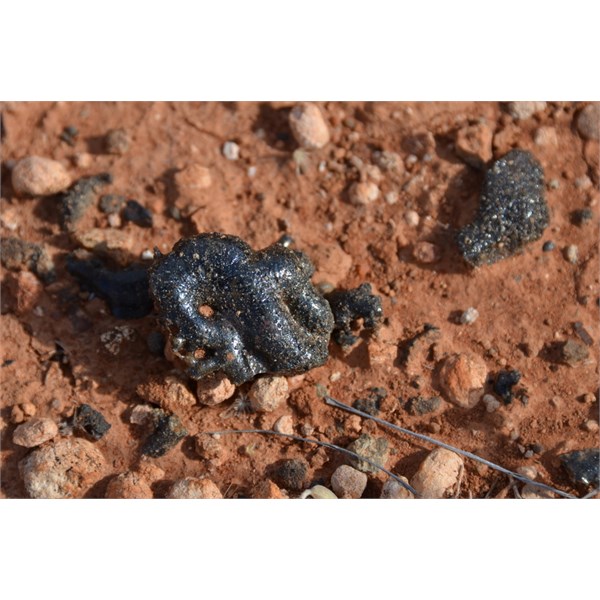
(572, 254)
(267, 393)
(419, 405)
(231, 151)
(214, 389)
(348, 482)
(141, 414)
(553, 184)
(251, 172)
(114, 220)
(392, 490)
(129, 485)
(438, 474)
(391, 197)
(588, 121)
(168, 392)
(524, 110)
(192, 488)
(362, 193)
(167, 432)
(266, 489)
(548, 246)
(528, 471)
(412, 218)
(83, 160)
(591, 426)
(308, 126)
(193, 178)
(491, 403)
(208, 448)
(573, 352)
(545, 136)
(462, 378)
(474, 144)
(388, 161)
(65, 468)
(37, 176)
(117, 141)
(469, 316)
(426, 253)
(291, 474)
(147, 255)
(284, 424)
(35, 432)
(374, 449)
(138, 214)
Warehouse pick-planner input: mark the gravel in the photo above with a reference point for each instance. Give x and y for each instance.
(267, 393)
(348, 482)
(35, 432)
(214, 389)
(37, 176)
(117, 141)
(426, 253)
(462, 377)
(66, 468)
(169, 392)
(231, 151)
(438, 474)
(469, 316)
(193, 488)
(392, 490)
(284, 424)
(572, 254)
(524, 110)
(129, 485)
(573, 352)
(420, 405)
(308, 126)
(491, 403)
(375, 449)
(588, 121)
(362, 193)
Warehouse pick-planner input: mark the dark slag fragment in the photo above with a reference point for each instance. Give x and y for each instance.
(228, 308)
(168, 430)
(138, 214)
(372, 403)
(350, 305)
(505, 381)
(291, 474)
(90, 421)
(582, 466)
(79, 197)
(512, 210)
(125, 291)
(419, 405)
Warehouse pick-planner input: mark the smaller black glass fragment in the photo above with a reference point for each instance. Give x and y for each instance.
(138, 214)
(90, 421)
(505, 381)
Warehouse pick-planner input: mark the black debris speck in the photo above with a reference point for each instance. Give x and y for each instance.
(548, 246)
(291, 474)
(260, 312)
(126, 290)
(350, 305)
(90, 421)
(582, 466)
(168, 431)
(17, 254)
(69, 134)
(512, 210)
(79, 197)
(419, 405)
(138, 214)
(505, 381)
(371, 404)
(111, 203)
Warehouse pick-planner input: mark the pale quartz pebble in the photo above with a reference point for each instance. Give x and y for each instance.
(214, 389)
(469, 316)
(412, 218)
(35, 432)
(392, 489)
(64, 468)
(267, 393)
(231, 151)
(438, 473)
(462, 377)
(524, 110)
(192, 488)
(308, 126)
(362, 193)
(37, 176)
(284, 424)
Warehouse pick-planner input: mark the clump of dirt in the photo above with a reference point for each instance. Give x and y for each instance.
(370, 192)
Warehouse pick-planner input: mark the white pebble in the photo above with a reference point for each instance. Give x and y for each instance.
(348, 482)
(231, 151)
(37, 176)
(391, 197)
(469, 316)
(524, 110)
(572, 254)
(284, 424)
(412, 218)
(251, 171)
(308, 126)
(491, 403)
(362, 193)
(267, 393)
(147, 255)
(438, 473)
